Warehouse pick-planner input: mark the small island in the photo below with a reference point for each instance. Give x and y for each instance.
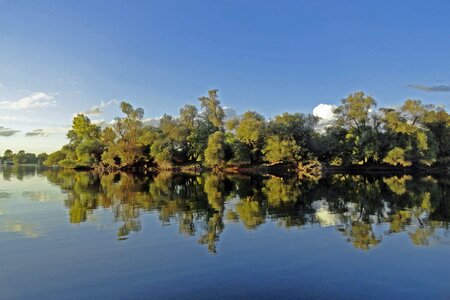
(408, 138)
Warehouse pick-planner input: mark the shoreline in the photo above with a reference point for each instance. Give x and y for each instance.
(280, 169)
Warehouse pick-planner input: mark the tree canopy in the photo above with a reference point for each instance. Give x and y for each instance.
(413, 134)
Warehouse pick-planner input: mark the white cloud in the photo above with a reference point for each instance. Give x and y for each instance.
(35, 100)
(99, 109)
(1, 85)
(100, 122)
(151, 121)
(324, 111)
(326, 115)
(9, 118)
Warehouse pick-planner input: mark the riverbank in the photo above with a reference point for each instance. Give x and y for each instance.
(312, 169)
(307, 169)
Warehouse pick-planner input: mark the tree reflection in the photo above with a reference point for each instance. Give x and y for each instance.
(360, 234)
(202, 206)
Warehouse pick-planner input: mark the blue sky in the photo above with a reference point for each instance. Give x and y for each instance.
(58, 58)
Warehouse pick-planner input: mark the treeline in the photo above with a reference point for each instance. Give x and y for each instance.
(22, 157)
(413, 134)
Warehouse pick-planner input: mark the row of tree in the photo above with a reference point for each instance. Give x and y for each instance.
(22, 157)
(411, 135)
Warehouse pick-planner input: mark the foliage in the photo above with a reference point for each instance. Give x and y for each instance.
(278, 150)
(414, 134)
(214, 153)
(213, 112)
(54, 158)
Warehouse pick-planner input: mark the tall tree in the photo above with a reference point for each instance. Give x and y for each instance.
(251, 131)
(126, 148)
(354, 111)
(214, 153)
(212, 109)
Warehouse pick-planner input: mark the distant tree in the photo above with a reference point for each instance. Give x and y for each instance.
(42, 157)
(19, 157)
(8, 155)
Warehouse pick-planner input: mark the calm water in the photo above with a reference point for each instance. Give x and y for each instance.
(79, 235)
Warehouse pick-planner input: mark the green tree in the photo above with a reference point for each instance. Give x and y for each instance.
(396, 157)
(354, 111)
(296, 127)
(279, 150)
(54, 158)
(214, 153)
(212, 109)
(437, 121)
(236, 151)
(251, 131)
(354, 115)
(8, 155)
(85, 147)
(188, 116)
(125, 147)
(19, 157)
(42, 157)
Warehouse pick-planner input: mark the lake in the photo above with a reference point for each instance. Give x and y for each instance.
(82, 235)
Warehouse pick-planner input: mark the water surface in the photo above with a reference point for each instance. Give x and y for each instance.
(73, 235)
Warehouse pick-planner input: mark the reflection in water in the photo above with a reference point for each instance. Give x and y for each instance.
(202, 206)
(28, 230)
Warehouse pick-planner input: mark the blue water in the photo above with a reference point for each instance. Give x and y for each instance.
(259, 242)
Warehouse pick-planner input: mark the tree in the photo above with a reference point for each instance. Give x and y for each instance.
(354, 115)
(54, 158)
(8, 155)
(236, 151)
(214, 153)
(396, 157)
(213, 112)
(42, 157)
(188, 116)
(296, 127)
(84, 148)
(414, 111)
(82, 129)
(125, 146)
(198, 139)
(354, 111)
(420, 130)
(437, 121)
(162, 152)
(279, 150)
(251, 131)
(19, 158)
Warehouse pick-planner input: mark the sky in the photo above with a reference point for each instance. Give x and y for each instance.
(59, 58)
